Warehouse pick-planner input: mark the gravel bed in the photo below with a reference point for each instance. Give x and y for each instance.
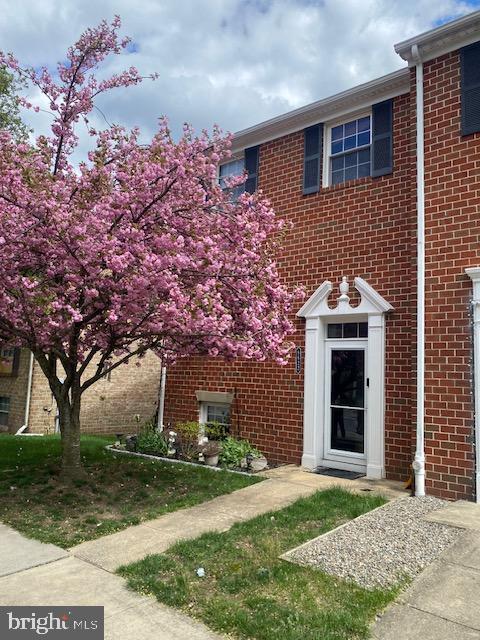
(383, 547)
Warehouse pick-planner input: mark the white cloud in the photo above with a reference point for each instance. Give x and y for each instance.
(231, 62)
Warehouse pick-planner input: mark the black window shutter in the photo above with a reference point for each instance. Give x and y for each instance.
(251, 167)
(382, 138)
(470, 88)
(312, 158)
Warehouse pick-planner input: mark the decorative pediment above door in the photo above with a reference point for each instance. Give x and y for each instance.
(371, 301)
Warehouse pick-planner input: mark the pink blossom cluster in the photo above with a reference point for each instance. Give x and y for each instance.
(136, 248)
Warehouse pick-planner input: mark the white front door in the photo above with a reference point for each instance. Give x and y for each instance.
(346, 408)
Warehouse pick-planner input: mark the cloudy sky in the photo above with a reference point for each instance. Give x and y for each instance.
(231, 62)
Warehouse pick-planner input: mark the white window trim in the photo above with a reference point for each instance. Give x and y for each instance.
(317, 313)
(206, 398)
(327, 140)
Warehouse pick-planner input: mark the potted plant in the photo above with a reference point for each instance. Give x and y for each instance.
(211, 451)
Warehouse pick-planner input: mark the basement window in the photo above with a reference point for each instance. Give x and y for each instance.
(215, 412)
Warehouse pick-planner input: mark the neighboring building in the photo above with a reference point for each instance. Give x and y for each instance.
(344, 171)
(121, 402)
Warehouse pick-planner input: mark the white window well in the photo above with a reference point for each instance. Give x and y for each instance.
(347, 150)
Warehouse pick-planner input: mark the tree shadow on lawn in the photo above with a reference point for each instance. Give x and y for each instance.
(114, 493)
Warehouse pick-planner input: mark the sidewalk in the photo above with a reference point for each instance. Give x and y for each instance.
(38, 574)
(74, 582)
(283, 486)
(444, 601)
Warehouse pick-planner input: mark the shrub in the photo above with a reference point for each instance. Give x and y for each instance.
(216, 431)
(188, 434)
(234, 451)
(152, 442)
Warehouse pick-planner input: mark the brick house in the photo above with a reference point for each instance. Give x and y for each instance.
(382, 185)
(120, 402)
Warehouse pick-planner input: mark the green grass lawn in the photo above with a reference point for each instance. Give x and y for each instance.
(116, 492)
(249, 592)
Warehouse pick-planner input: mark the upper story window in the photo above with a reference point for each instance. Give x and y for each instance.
(248, 164)
(356, 147)
(9, 361)
(230, 170)
(470, 88)
(349, 150)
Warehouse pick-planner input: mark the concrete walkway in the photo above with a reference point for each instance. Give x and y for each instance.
(38, 574)
(444, 601)
(283, 486)
(18, 553)
(74, 582)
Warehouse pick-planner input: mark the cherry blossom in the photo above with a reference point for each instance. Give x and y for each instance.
(136, 248)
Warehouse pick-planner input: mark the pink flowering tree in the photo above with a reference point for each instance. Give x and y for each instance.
(135, 248)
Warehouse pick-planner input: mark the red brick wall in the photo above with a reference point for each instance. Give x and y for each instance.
(362, 228)
(367, 228)
(452, 192)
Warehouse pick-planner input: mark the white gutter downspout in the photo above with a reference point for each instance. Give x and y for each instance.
(419, 461)
(161, 399)
(474, 274)
(29, 393)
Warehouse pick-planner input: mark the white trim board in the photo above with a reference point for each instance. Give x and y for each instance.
(474, 274)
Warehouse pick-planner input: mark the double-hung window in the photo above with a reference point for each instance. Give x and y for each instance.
(349, 150)
(248, 165)
(9, 361)
(232, 169)
(215, 412)
(4, 411)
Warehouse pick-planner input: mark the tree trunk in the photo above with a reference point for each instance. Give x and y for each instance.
(69, 418)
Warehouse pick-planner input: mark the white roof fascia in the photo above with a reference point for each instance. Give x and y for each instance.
(436, 42)
(389, 86)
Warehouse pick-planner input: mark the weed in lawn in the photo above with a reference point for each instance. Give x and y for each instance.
(116, 492)
(249, 592)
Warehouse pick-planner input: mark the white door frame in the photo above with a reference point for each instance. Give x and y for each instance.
(474, 274)
(318, 314)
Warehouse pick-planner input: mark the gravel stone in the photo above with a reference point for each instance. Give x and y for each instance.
(383, 547)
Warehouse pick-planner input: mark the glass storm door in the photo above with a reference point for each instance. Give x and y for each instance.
(346, 400)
